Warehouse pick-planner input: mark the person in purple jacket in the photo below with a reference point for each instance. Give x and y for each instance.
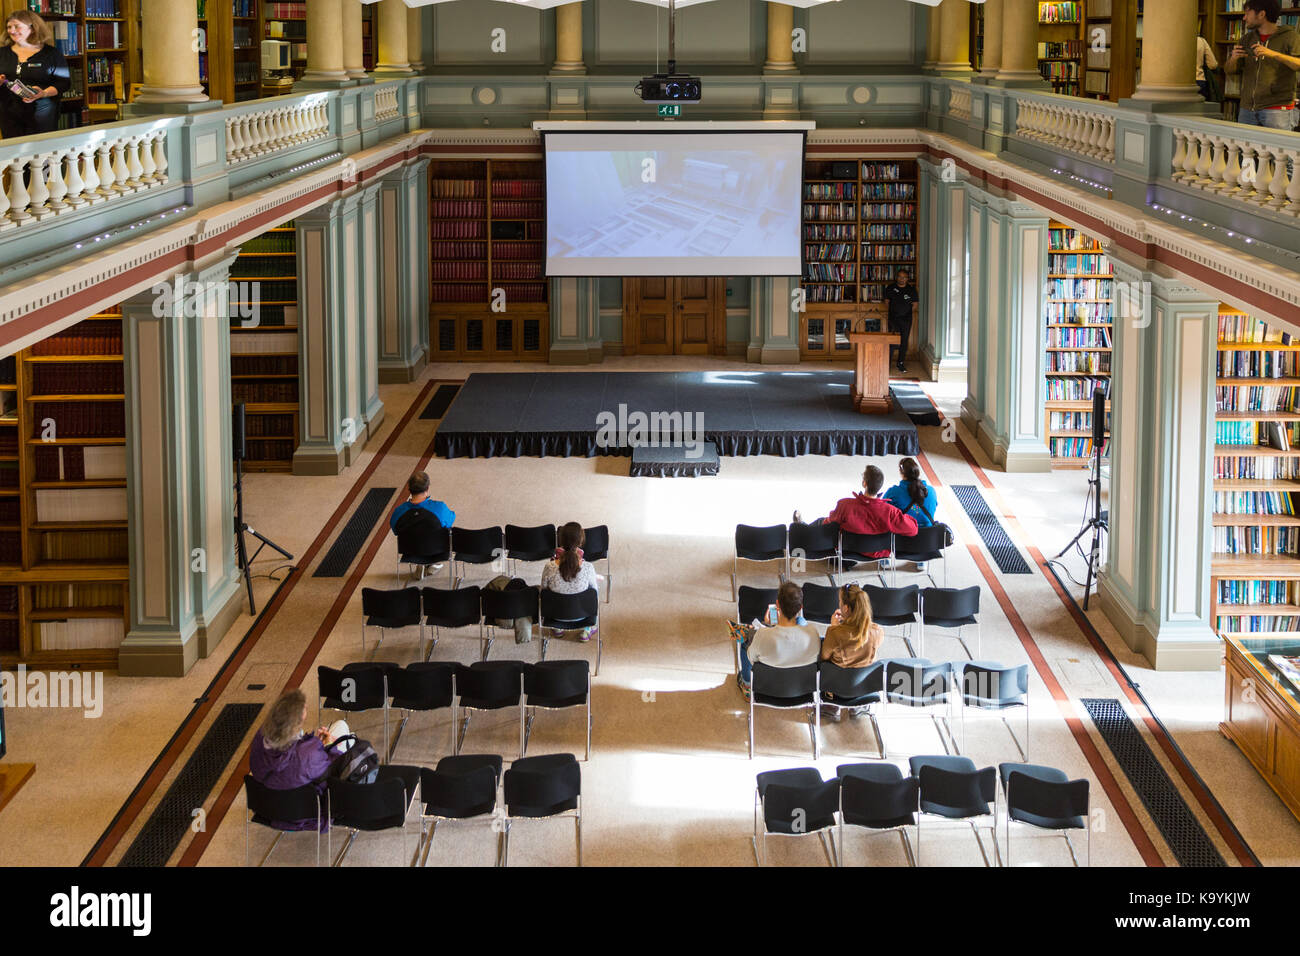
(284, 757)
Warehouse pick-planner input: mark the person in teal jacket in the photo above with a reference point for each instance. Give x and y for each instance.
(913, 496)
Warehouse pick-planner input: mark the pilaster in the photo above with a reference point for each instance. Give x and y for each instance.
(404, 254)
(944, 304)
(985, 262)
(773, 307)
(322, 340)
(367, 259)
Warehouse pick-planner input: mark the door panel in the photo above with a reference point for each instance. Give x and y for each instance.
(672, 315)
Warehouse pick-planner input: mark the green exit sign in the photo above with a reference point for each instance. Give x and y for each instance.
(670, 109)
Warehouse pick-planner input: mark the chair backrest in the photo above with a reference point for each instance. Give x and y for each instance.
(452, 608)
(540, 783)
(798, 681)
(512, 603)
(850, 683)
(990, 684)
(820, 602)
(495, 682)
(948, 604)
(892, 603)
(361, 686)
(917, 684)
(419, 533)
(556, 680)
(595, 543)
(361, 803)
(798, 809)
(760, 544)
(570, 607)
(964, 793)
(752, 603)
(477, 541)
(401, 604)
(815, 539)
(930, 540)
(538, 540)
(861, 545)
(427, 685)
(1046, 798)
(447, 794)
(300, 803)
(865, 801)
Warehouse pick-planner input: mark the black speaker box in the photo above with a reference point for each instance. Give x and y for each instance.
(237, 432)
(1098, 415)
(507, 230)
(844, 170)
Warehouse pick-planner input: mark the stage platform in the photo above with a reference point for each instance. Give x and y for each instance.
(583, 414)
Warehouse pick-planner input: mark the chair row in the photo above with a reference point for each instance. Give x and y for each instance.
(947, 608)
(877, 798)
(462, 688)
(827, 542)
(469, 606)
(461, 788)
(422, 547)
(916, 684)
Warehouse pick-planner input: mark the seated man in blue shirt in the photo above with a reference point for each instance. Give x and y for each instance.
(418, 486)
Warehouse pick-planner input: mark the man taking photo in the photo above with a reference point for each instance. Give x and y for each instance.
(1267, 58)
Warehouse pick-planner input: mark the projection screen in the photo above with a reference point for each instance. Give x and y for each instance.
(673, 203)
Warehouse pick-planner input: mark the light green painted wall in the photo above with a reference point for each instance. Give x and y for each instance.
(620, 34)
(462, 35)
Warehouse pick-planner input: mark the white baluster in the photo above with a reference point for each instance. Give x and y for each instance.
(54, 181)
(1110, 140)
(1263, 176)
(1278, 184)
(18, 198)
(5, 221)
(1205, 160)
(147, 166)
(36, 189)
(134, 168)
(160, 157)
(1193, 158)
(105, 170)
(89, 175)
(1217, 164)
(1293, 189)
(119, 169)
(1232, 170)
(1180, 154)
(76, 185)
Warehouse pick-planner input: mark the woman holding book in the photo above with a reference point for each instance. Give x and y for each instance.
(33, 75)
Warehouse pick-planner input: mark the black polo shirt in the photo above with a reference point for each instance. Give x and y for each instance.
(901, 299)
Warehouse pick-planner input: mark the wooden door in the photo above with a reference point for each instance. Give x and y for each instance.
(674, 315)
(657, 305)
(691, 330)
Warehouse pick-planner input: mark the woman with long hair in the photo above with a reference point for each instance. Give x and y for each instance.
(913, 496)
(568, 573)
(284, 757)
(853, 638)
(29, 57)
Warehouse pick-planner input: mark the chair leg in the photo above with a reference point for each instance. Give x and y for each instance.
(600, 646)
(815, 725)
(907, 846)
(523, 728)
(1073, 859)
(828, 850)
(577, 835)
(344, 852)
(751, 723)
(880, 737)
(733, 578)
(505, 845)
(975, 830)
(460, 741)
(588, 724)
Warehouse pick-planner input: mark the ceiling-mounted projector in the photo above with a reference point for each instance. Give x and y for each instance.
(670, 88)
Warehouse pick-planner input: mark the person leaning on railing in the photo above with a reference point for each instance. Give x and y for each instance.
(1268, 76)
(28, 56)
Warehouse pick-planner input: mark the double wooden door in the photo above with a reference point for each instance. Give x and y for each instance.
(674, 315)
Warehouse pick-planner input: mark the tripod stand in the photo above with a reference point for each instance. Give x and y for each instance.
(1097, 523)
(241, 529)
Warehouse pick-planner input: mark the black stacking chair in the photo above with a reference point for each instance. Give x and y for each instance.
(461, 607)
(506, 605)
(390, 610)
(371, 807)
(474, 546)
(992, 687)
(486, 685)
(841, 687)
(795, 803)
(424, 687)
(758, 544)
(858, 548)
(895, 607)
(529, 545)
(879, 799)
(814, 542)
(820, 602)
(927, 544)
(753, 603)
(540, 787)
(266, 807)
(554, 685)
(459, 788)
(1044, 798)
(595, 547)
(357, 688)
(573, 612)
(951, 608)
(421, 542)
(786, 688)
(952, 789)
(919, 685)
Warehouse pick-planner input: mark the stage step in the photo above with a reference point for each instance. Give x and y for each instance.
(674, 462)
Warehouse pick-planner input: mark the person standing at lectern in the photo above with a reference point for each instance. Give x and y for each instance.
(901, 296)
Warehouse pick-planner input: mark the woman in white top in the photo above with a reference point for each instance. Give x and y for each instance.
(568, 573)
(1204, 59)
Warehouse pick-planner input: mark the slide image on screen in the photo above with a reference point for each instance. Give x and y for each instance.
(673, 204)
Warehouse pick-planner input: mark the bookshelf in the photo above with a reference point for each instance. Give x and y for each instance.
(96, 37)
(63, 510)
(859, 228)
(1078, 341)
(1060, 45)
(487, 270)
(288, 22)
(977, 36)
(1255, 569)
(369, 38)
(264, 357)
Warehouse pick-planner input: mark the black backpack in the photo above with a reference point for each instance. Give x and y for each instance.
(358, 764)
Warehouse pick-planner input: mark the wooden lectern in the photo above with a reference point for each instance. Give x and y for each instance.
(871, 371)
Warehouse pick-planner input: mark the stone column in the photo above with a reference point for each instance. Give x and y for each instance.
(1155, 584)
(931, 39)
(992, 57)
(322, 344)
(1020, 45)
(942, 340)
(954, 38)
(404, 295)
(985, 261)
(771, 301)
(392, 38)
(324, 44)
(568, 39)
(1169, 69)
(780, 48)
(354, 58)
(415, 38)
(171, 64)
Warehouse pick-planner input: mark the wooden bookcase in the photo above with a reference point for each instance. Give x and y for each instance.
(859, 228)
(369, 38)
(976, 36)
(487, 270)
(1078, 320)
(1060, 44)
(63, 509)
(264, 356)
(97, 38)
(286, 21)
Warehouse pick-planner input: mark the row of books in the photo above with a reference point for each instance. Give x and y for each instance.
(271, 316)
(1072, 421)
(516, 189)
(889, 230)
(459, 270)
(1258, 624)
(1079, 288)
(1076, 313)
(265, 267)
(1256, 398)
(76, 84)
(474, 229)
(1060, 48)
(460, 292)
(515, 271)
(80, 634)
(879, 273)
(76, 594)
(9, 631)
(1066, 12)
(247, 71)
(1236, 433)
(67, 36)
(1246, 329)
(829, 252)
(890, 253)
(1074, 447)
(829, 272)
(1065, 337)
(79, 462)
(889, 210)
(1091, 363)
(264, 393)
(270, 449)
(1059, 70)
(1254, 468)
(101, 97)
(458, 250)
(104, 36)
(830, 211)
(296, 10)
(272, 290)
(526, 292)
(263, 341)
(1253, 503)
(8, 599)
(67, 8)
(245, 8)
(76, 505)
(516, 210)
(872, 170)
(257, 425)
(830, 191)
(830, 231)
(1087, 263)
(1059, 239)
(81, 378)
(1258, 592)
(1256, 364)
(889, 191)
(516, 249)
(269, 242)
(79, 419)
(11, 547)
(1256, 539)
(1075, 389)
(830, 293)
(245, 364)
(458, 209)
(10, 510)
(103, 69)
(457, 189)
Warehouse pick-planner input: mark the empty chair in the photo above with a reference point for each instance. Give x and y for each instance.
(918, 684)
(927, 544)
(529, 545)
(267, 806)
(541, 787)
(758, 544)
(423, 687)
(895, 607)
(786, 688)
(486, 685)
(474, 546)
(814, 542)
(876, 797)
(459, 607)
(951, 608)
(459, 788)
(841, 687)
(1044, 798)
(951, 788)
(371, 807)
(595, 547)
(752, 603)
(992, 687)
(820, 602)
(390, 610)
(554, 685)
(506, 605)
(570, 612)
(357, 688)
(795, 803)
(421, 542)
(866, 549)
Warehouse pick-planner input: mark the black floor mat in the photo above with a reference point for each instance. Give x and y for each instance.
(441, 401)
(353, 537)
(1004, 551)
